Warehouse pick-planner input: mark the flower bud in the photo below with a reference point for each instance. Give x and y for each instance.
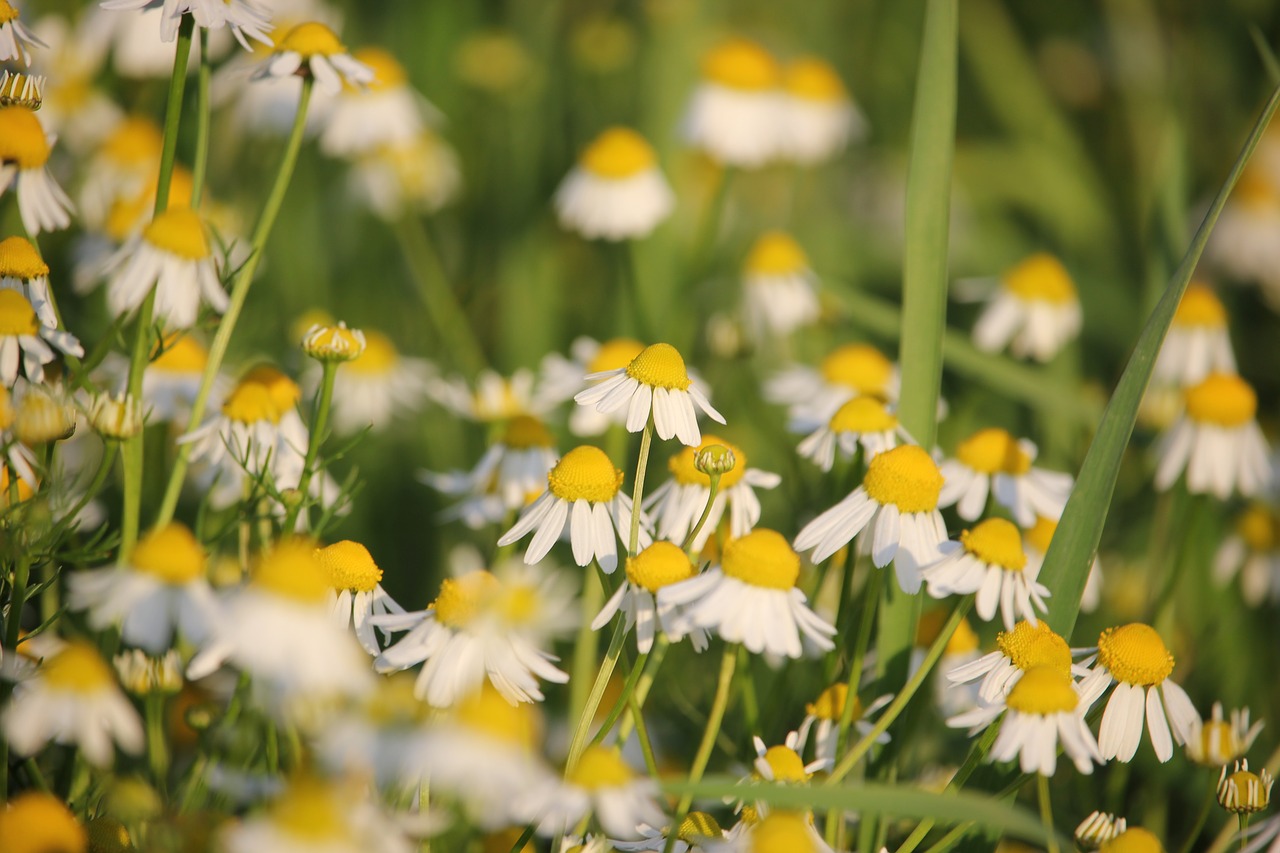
(115, 417)
(143, 675)
(333, 343)
(715, 460)
(21, 90)
(44, 415)
(1097, 829)
(1243, 792)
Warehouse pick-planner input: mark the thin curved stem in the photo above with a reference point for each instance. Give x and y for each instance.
(637, 489)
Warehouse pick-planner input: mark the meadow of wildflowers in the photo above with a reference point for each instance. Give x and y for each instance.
(559, 426)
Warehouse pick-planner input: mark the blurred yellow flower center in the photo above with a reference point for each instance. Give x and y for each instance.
(462, 598)
(1257, 527)
(22, 139)
(6, 408)
(1222, 399)
(292, 571)
(741, 64)
(518, 603)
(861, 367)
(698, 827)
(1254, 189)
(762, 558)
(251, 402)
(660, 366)
(19, 259)
(285, 393)
(963, 639)
(1200, 306)
(79, 668)
(180, 232)
(182, 354)
(992, 451)
(785, 764)
(388, 73)
(333, 342)
(311, 810)
(782, 832)
(34, 822)
(1041, 534)
(17, 317)
(997, 542)
(813, 79)
(1043, 278)
(171, 554)
(1043, 690)
(776, 253)
(311, 39)
(863, 415)
(830, 704)
(379, 355)
(350, 566)
(906, 477)
(659, 565)
(599, 767)
(393, 702)
(7, 12)
(615, 354)
(524, 432)
(585, 473)
(685, 472)
(1135, 839)
(619, 152)
(486, 711)
(135, 141)
(1029, 646)
(1135, 654)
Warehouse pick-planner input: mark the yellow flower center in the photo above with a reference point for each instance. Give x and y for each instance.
(486, 711)
(291, 570)
(379, 356)
(813, 79)
(1029, 646)
(1257, 527)
(518, 603)
(585, 473)
(1041, 534)
(33, 822)
(600, 767)
(350, 566)
(251, 402)
(863, 415)
(170, 553)
(698, 827)
(963, 639)
(619, 152)
(78, 668)
(660, 366)
(1043, 690)
(311, 810)
(1222, 399)
(785, 764)
(996, 542)
(762, 558)
(22, 139)
(388, 73)
(1043, 278)
(179, 231)
(776, 253)
(614, 354)
(7, 12)
(6, 409)
(1135, 654)
(830, 704)
(19, 259)
(741, 64)
(393, 702)
(1243, 792)
(782, 832)
(685, 472)
(1200, 306)
(861, 367)
(182, 354)
(906, 477)
(285, 393)
(524, 432)
(462, 598)
(135, 142)
(991, 451)
(1135, 839)
(661, 564)
(311, 39)
(17, 317)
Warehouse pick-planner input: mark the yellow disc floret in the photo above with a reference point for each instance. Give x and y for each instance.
(1200, 306)
(992, 451)
(762, 558)
(785, 764)
(312, 810)
(661, 564)
(783, 832)
(291, 570)
(78, 668)
(619, 152)
(462, 598)
(170, 553)
(1028, 646)
(1043, 690)
(660, 366)
(379, 356)
(585, 473)
(34, 822)
(19, 259)
(684, 469)
(996, 542)
(181, 354)
(863, 415)
(1222, 399)
(524, 432)
(486, 711)
(1042, 278)
(311, 39)
(1135, 839)
(776, 253)
(906, 477)
(860, 367)
(22, 139)
(1135, 654)
(179, 231)
(17, 317)
(830, 704)
(600, 767)
(388, 73)
(741, 64)
(615, 354)
(350, 566)
(813, 79)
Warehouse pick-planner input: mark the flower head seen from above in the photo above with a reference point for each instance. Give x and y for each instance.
(514, 468)
(819, 117)
(616, 191)
(1035, 311)
(736, 112)
(22, 269)
(1217, 442)
(24, 158)
(779, 288)
(15, 39)
(26, 342)
(357, 593)
(39, 822)
(1216, 742)
(989, 560)
(1198, 342)
(1027, 645)
(992, 462)
(313, 49)
(813, 395)
(863, 422)
(660, 565)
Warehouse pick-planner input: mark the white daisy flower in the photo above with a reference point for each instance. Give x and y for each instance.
(25, 341)
(509, 473)
(1252, 550)
(782, 763)
(602, 784)
(377, 386)
(779, 289)
(1036, 539)
(121, 168)
(584, 493)
(654, 384)
(158, 590)
(387, 112)
(1217, 741)
(1034, 312)
(616, 191)
(73, 699)
(993, 462)
(315, 50)
(419, 176)
(693, 833)
(776, 832)
(24, 158)
(822, 720)
(751, 598)
(989, 560)
(379, 737)
(1217, 441)
(1197, 343)
(172, 378)
(736, 114)
(1135, 658)
(15, 38)
(659, 565)
(865, 422)
(897, 504)
(244, 19)
(819, 118)
(1242, 244)
(356, 592)
(813, 395)
(1027, 646)
(22, 269)
(494, 397)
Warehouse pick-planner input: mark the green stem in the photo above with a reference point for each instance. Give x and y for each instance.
(870, 601)
(656, 655)
(624, 700)
(637, 489)
(976, 754)
(750, 701)
(157, 747)
(200, 165)
(704, 245)
(588, 714)
(642, 733)
(1046, 811)
(687, 545)
(587, 645)
(319, 431)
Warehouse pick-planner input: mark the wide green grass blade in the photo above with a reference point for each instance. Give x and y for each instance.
(1066, 566)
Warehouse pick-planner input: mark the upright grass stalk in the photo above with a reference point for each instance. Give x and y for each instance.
(200, 164)
(319, 430)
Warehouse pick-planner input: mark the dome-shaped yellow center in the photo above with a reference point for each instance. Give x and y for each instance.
(1257, 526)
(179, 231)
(285, 393)
(813, 79)
(134, 142)
(697, 827)
(619, 152)
(600, 767)
(863, 414)
(379, 356)
(783, 832)
(906, 477)
(1135, 839)
(7, 12)
(311, 39)
(785, 764)
(170, 553)
(963, 639)
(992, 451)
(524, 432)
(350, 566)
(741, 64)
(22, 139)
(486, 711)
(1244, 792)
(861, 367)
(830, 703)
(1041, 534)
(312, 811)
(462, 598)
(996, 542)
(291, 570)
(762, 558)
(585, 473)
(1028, 646)
(330, 342)
(181, 354)
(388, 73)
(19, 259)
(1200, 306)
(1043, 690)
(776, 253)
(661, 564)
(686, 473)
(250, 403)
(1135, 654)
(1043, 278)
(77, 668)
(1222, 399)
(660, 366)
(614, 354)
(35, 822)
(17, 317)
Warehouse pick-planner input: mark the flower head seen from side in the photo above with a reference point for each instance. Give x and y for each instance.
(1242, 791)
(15, 39)
(26, 343)
(24, 158)
(813, 395)
(1028, 645)
(491, 397)
(386, 112)
(1217, 742)
(1217, 441)
(896, 512)
(313, 49)
(39, 822)
(989, 560)
(377, 385)
(819, 117)
(22, 269)
(822, 720)
(863, 422)
(782, 763)
(602, 784)
(962, 648)
(751, 598)
(245, 20)
(335, 343)
(1198, 342)
(992, 462)
(616, 191)
(736, 112)
(657, 566)
(779, 288)
(510, 471)
(1035, 311)
(356, 593)
(1252, 550)
(419, 175)
(561, 378)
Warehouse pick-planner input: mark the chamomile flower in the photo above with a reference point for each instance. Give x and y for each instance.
(657, 566)
(23, 89)
(379, 737)
(822, 720)
(384, 112)
(1198, 343)
(244, 19)
(356, 592)
(1136, 659)
(812, 395)
(897, 506)
(24, 158)
(482, 627)
(819, 118)
(751, 598)
(865, 422)
(989, 560)
(1036, 539)
(73, 698)
(38, 822)
(677, 504)
(562, 378)
(515, 467)
(173, 255)
(782, 763)
(1252, 550)
(156, 591)
(418, 176)
(693, 833)
(15, 39)
(172, 378)
(333, 343)
(377, 386)
(1241, 244)
(1035, 311)
(1027, 646)
(654, 384)
(1045, 706)
(779, 289)
(494, 397)
(314, 50)
(1097, 829)
(1242, 791)
(1216, 742)
(616, 191)
(602, 784)
(993, 462)
(22, 269)
(776, 832)
(1217, 441)
(26, 342)
(736, 112)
